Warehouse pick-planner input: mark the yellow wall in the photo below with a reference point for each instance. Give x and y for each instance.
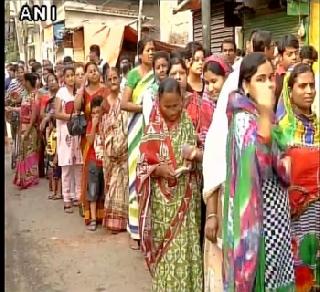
(314, 41)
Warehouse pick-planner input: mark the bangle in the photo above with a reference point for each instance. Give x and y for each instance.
(211, 215)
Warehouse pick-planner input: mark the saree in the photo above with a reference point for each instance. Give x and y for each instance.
(15, 94)
(85, 205)
(113, 129)
(135, 130)
(248, 163)
(27, 172)
(169, 210)
(299, 136)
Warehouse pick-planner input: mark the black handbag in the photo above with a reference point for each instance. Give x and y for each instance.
(77, 125)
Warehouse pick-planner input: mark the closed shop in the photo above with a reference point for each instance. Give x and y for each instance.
(218, 31)
(277, 22)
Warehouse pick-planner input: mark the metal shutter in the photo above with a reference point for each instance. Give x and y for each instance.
(279, 23)
(218, 31)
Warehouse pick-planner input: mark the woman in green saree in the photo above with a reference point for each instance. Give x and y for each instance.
(169, 195)
(139, 80)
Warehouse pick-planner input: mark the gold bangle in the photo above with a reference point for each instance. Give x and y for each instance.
(211, 215)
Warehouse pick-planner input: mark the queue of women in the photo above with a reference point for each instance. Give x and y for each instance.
(214, 176)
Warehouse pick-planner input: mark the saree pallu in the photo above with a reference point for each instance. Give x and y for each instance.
(135, 130)
(169, 211)
(85, 205)
(116, 200)
(304, 198)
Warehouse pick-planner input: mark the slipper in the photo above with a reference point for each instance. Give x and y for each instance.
(57, 197)
(51, 197)
(135, 245)
(92, 225)
(68, 209)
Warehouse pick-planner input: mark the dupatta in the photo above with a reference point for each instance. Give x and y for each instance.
(295, 129)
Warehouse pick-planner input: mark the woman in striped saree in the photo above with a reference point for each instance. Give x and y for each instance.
(139, 79)
(15, 94)
(298, 134)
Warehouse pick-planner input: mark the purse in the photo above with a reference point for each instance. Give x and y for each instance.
(77, 125)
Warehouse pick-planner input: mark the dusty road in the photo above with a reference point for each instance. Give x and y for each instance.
(49, 251)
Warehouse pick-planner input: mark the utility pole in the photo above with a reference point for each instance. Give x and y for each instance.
(206, 23)
(140, 19)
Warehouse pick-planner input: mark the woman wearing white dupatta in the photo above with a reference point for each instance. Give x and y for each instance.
(214, 175)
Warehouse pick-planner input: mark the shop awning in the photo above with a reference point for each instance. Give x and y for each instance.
(110, 40)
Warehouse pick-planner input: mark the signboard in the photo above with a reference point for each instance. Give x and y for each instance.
(58, 31)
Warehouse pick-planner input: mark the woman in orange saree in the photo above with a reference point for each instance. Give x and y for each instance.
(82, 103)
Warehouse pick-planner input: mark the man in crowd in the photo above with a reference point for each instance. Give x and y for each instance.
(308, 55)
(288, 50)
(228, 48)
(94, 56)
(30, 63)
(67, 60)
(59, 72)
(125, 67)
(11, 72)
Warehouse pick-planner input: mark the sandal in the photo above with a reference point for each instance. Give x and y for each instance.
(75, 203)
(51, 196)
(135, 244)
(68, 209)
(57, 197)
(92, 225)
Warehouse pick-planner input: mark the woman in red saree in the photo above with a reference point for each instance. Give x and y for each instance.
(82, 103)
(298, 134)
(169, 195)
(27, 171)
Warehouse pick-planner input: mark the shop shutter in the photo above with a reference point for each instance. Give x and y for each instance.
(279, 23)
(218, 31)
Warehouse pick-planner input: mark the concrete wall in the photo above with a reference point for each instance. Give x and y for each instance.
(175, 28)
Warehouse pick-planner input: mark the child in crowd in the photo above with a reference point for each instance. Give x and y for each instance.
(52, 155)
(95, 179)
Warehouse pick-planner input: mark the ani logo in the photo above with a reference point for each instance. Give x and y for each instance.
(38, 13)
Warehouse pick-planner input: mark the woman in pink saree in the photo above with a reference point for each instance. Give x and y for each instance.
(27, 171)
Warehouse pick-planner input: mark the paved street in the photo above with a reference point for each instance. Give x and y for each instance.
(49, 251)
